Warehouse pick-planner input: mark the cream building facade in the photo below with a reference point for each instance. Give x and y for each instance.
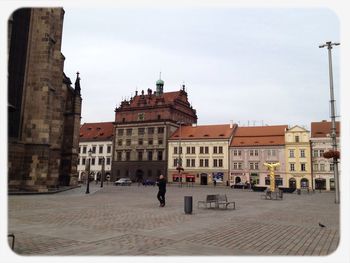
(298, 158)
(203, 154)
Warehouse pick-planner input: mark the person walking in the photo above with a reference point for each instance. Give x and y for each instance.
(162, 189)
(214, 182)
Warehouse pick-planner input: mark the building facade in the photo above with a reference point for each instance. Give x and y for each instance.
(143, 125)
(43, 108)
(298, 158)
(253, 146)
(199, 154)
(321, 142)
(97, 138)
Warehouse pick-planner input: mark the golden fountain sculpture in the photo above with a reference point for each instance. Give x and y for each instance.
(272, 168)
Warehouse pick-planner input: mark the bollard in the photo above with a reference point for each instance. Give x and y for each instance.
(188, 204)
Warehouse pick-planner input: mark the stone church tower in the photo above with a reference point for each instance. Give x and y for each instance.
(43, 108)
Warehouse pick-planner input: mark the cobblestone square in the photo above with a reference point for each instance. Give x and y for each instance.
(127, 220)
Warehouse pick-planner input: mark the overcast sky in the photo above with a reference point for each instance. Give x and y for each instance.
(261, 66)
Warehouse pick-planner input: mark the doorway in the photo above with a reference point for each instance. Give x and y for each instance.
(204, 179)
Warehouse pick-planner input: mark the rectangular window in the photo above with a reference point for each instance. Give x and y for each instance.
(256, 152)
(292, 167)
(221, 163)
(193, 150)
(215, 149)
(84, 149)
(120, 132)
(175, 150)
(139, 155)
(220, 149)
(83, 161)
(206, 149)
(160, 142)
(291, 153)
(120, 142)
(193, 162)
(303, 167)
(296, 138)
(256, 166)
(215, 163)
(180, 149)
(251, 152)
(79, 149)
(128, 142)
(160, 156)
(315, 167)
(93, 149)
(321, 153)
(188, 150)
(322, 167)
(315, 153)
(331, 167)
(239, 166)
(141, 131)
(206, 162)
(140, 141)
(160, 130)
(150, 141)
(100, 149)
(109, 149)
(201, 150)
(151, 130)
(92, 161)
(302, 153)
(119, 156)
(108, 161)
(251, 166)
(188, 162)
(128, 132)
(273, 152)
(175, 162)
(100, 161)
(201, 162)
(235, 166)
(78, 161)
(127, 156)
(150, 155)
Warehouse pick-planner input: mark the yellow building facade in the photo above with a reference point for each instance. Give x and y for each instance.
(298, 157)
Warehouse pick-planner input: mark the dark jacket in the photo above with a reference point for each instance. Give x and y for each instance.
(162, 185)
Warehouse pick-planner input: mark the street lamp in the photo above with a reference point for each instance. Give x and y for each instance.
(88, 173)
(333, 129)
(179, 166)
(102, 171)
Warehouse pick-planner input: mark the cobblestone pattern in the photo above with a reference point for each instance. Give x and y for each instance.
(128, 221)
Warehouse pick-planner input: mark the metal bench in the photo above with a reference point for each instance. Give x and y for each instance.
(222, 201)
(211, 199)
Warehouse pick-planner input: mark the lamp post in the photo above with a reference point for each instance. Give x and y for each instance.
(102, 171)
(329, 46)
(179, 167)
(88, 173)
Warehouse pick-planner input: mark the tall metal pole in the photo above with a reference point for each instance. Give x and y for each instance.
(102, 171)
(88, 173)
(180, 162)
(333, 129)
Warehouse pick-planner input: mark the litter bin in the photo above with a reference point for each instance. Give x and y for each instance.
(188, 204)
(298, 191)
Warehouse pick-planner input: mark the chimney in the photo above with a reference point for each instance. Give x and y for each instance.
(231, 124)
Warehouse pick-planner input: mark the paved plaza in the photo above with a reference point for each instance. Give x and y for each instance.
(127, 220)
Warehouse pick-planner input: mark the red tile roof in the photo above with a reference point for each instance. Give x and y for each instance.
(221, 131)
(259, 136)
(323, 128)
(100, 131)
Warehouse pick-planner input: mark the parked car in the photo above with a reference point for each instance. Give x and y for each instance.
(123, 181)
(148, 182)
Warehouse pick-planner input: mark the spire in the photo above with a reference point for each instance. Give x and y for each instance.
(159, 85)
(77, 84)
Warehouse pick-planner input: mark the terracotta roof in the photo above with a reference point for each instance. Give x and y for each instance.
(100, 131)
(321, 129)
(221, 131)
(259, 136)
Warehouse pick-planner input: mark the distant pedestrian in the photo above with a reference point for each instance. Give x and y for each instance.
(162, 189)
(214, 182)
